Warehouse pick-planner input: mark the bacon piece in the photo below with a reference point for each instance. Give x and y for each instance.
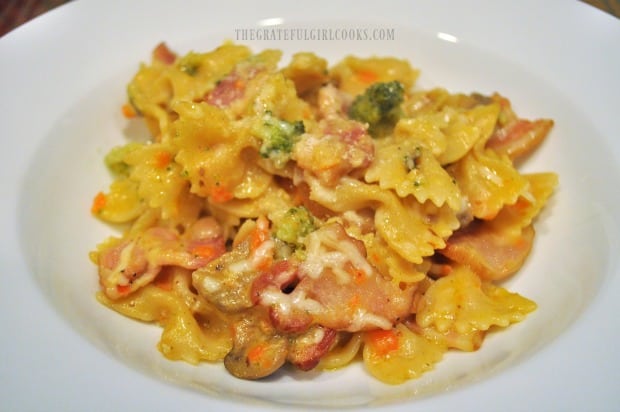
(133, 263)
(232, 87)
(332, 101)
(371, 304)
(227, 91)
(333, 290)
(520, 137)
(340, 147)
(163, 54)
(493, 255)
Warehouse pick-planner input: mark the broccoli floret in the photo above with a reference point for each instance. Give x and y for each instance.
(294, 225)
(379, 106)
(279, 137)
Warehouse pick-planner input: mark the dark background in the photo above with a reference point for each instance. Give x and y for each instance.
(16, 12)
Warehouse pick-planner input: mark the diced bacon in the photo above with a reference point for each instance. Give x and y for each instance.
(332, 101)
(232, 87)
(227, 91)
(163, 54)
(520, 137)
(124, 268)
(281, 275)
(340, 147)
(134, 263)
(346, 294)
(492, 255)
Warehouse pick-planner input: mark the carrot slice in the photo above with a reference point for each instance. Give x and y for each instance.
(383, 341)
(98, 203)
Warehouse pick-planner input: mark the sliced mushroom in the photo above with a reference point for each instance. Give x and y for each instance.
(258, 351)
(307, 349)
(222, 284)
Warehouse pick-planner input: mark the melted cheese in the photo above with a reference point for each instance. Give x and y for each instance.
(286, 303)
(363, 318)
(325, 251)
(211, 285)
(263, 252)
(117, 276)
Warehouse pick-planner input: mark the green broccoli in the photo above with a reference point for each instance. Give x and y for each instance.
(294, 225)
(379, 106)
(279, 137)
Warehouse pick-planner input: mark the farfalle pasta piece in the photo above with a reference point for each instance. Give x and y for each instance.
(391, 216)
(450, 132)
(390, 263)
(160, 179)
(397, 355)
(121, 203)
(354, 74)
(434, 100)
(462, 303)
(231, 213)
(308, 71)
(389, 221)
(168, 78)
(409, 167)
(467, 128)
(496, 249)
(426, 129)
(489, 181)
(210, 149)
(466, 342)
(343, 352)
(522, 213)
(182, 338)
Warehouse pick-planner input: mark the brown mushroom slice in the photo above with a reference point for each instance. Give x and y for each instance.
(223, 285)
(307, 349)
(258, 351)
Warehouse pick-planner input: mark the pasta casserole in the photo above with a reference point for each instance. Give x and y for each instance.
(316, 215)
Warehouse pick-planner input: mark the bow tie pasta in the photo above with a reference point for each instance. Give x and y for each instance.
(308, 214)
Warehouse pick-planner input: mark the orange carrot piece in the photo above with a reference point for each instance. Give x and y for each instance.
(239, 84)
(383, 341)
(256, 353)
(220, 194)
(162, 159)
(204, 251)
(128, 111)
(367, 76)
(259, 234)
(358, 275)
(98, 203)
(354, 302)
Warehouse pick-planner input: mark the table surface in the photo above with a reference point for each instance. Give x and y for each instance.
(14, 13)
